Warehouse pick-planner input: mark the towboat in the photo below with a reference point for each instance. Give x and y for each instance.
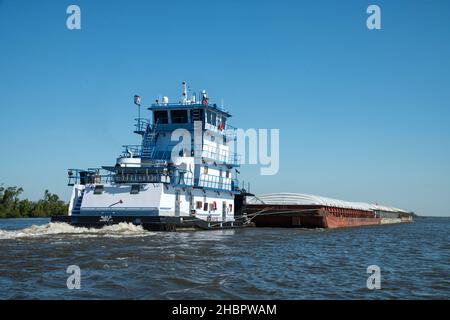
(181, 176)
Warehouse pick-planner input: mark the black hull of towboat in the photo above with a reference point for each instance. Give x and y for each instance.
(159, 223)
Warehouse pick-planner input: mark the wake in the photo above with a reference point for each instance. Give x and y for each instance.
(122, 229)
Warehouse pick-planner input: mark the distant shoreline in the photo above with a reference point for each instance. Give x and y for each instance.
(10, 218)
(11, 206)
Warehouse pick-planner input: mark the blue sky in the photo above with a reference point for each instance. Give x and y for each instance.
(363, 115)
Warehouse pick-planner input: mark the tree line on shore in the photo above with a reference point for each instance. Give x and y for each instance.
(11, 206)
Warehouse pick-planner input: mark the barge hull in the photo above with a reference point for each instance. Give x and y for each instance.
(312, 221)
(285, 216)
(309, 211)
(333, 222)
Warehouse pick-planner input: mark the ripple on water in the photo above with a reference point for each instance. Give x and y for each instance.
(125, 261)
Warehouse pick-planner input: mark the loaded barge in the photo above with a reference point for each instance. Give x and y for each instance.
(308, 211)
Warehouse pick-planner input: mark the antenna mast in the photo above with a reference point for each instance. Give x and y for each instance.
(184, 97)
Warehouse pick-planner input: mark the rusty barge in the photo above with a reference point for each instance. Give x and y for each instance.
(308, 211)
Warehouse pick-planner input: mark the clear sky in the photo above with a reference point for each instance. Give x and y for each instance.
(364, 115)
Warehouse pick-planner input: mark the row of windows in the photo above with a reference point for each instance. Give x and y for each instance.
(227, 173)
(181, 116)
(215, 119)
(135, 188)
(210, 206)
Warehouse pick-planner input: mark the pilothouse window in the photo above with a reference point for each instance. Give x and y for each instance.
(135, 188)
(98, 189)
(179, 116)
(161, 117)
(197, 115)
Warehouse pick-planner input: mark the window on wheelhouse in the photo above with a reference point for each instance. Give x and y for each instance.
(98, 189)
(197, 115)
(135, 188)
(179, 116)
(161, 117)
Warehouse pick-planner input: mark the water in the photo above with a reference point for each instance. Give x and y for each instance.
(124, 261)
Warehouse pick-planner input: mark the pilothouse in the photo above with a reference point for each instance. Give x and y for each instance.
(183, 174)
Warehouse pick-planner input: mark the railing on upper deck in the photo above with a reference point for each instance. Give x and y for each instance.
(206, 151)
(176, 105)
(100, 176)
(228, 131)
(141, 126)
(88, 176)
(133, 149)
(140, 178)
(95, 176)
(161, 154)
(218, 183)
(220, 155)
(137, 150)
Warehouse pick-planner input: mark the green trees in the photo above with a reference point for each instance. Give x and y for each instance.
(12, 207)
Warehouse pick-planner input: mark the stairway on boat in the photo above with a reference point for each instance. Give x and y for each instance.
(149, 142)
(77, 206)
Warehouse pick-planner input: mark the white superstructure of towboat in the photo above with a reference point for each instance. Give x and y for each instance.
(182, 175)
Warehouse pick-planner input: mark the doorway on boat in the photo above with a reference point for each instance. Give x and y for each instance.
(224, 211)
(177, 203)
(191, 204)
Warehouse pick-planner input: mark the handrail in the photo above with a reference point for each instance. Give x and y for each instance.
(140, 178)
(94, 176)
(157, 154)
(90, 175)
(142, 125)
(218, 182)
(135, 149)
(218, 154)
(146, 152)
(206, 151)
(227, 127)
(186, 105)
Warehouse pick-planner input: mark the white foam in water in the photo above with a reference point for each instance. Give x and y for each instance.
(117, 230)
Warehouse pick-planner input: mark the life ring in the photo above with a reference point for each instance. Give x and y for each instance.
(214, 206)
